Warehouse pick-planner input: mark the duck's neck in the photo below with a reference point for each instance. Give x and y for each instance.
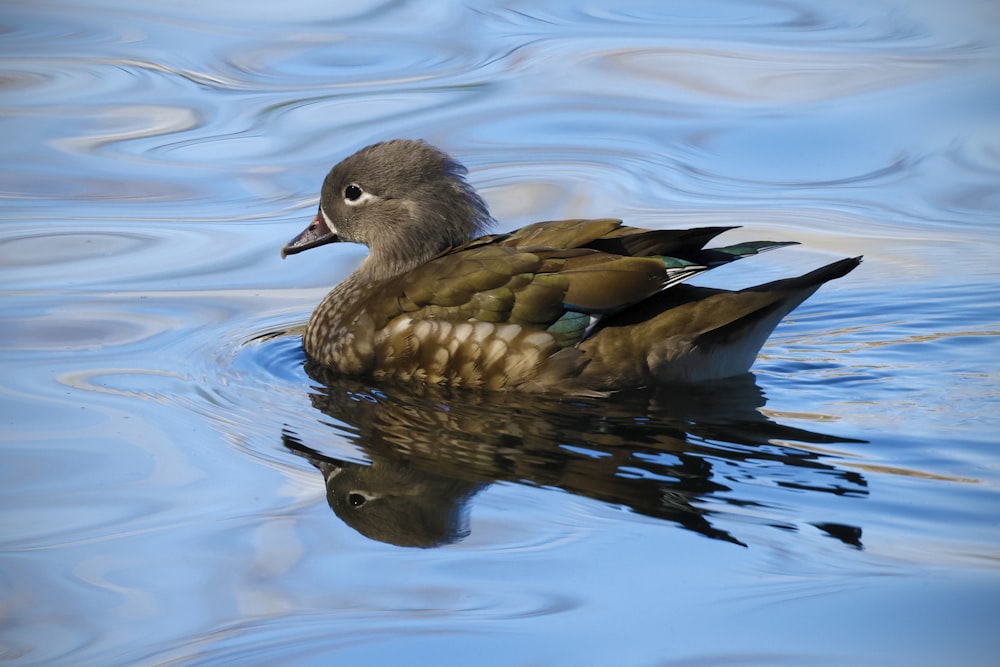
(389, 258)
(379, 267)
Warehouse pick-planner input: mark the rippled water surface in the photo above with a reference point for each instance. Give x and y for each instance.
(164, 442)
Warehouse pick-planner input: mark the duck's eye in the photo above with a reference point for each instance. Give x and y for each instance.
(353, 192)
(356, 499)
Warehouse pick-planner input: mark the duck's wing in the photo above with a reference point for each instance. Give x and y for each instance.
(504, 285)
(559, 277)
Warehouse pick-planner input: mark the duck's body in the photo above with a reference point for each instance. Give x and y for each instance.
(573, 306)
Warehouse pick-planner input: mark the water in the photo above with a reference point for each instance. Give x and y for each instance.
(163, 441)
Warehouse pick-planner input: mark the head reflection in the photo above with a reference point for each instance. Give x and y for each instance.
(392, 503)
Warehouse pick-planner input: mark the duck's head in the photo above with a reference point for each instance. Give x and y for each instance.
(404, 199)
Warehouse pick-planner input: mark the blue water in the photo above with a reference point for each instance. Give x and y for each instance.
(160, 486)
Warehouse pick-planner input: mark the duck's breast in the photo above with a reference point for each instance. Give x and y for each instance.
(471, 353)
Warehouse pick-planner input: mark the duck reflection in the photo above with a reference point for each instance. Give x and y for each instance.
(663, 454)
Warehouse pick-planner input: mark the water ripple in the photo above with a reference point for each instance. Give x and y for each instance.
(63, 255)
(772, 78)
(300, 637)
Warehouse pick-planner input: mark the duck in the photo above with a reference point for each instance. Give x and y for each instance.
(581, 307)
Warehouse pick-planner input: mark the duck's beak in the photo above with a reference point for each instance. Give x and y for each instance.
(316, 234)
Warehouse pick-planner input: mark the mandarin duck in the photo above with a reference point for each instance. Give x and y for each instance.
(572, 307)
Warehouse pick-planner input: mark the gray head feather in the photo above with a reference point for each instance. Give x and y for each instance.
(414, 203)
